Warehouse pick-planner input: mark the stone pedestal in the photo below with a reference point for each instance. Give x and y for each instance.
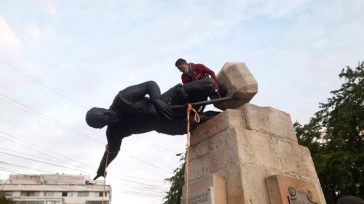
(211, 189)
(246, 147)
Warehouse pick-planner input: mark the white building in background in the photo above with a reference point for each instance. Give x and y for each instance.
(55, 189)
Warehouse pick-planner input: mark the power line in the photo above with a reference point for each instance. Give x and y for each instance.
(59, 94)
(62, 95)
(37, 160)
(41, 83)
(128, 178)
(59, 124)
(43, 153)
(134, 184)
(48, 118)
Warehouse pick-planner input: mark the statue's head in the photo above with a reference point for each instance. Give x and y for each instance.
(100, 117)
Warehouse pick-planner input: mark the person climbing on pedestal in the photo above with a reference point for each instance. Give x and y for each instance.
(192, 72)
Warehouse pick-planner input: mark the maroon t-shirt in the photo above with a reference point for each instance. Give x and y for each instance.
(197, 72)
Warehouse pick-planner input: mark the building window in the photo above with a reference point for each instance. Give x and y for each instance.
(64, 194)
(82, 194)
(8, 193)
(49, 194)
(35, 202)
(53, 202)
(102, 193)
(29, 193)
(30, 202)
(96, 202)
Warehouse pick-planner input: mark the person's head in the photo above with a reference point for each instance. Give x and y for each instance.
(350, 200)
(182, 65)
(100, 117)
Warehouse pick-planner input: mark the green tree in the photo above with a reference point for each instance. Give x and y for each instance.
(177, 180)
(4, 200)
(335, 137)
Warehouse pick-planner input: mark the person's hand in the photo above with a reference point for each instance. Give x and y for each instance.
(163, 108)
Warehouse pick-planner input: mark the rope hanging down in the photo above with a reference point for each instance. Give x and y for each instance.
(187, 166)
(107, 158)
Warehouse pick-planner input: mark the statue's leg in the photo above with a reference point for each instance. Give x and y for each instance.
(137, 92)
(203, 86)
(173, 127)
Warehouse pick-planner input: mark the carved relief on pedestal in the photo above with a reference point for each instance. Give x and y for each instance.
(290, 190)
(300, 196)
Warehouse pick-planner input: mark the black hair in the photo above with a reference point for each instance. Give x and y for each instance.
(180, 61)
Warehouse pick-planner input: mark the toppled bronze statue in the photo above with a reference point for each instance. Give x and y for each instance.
(133, 113)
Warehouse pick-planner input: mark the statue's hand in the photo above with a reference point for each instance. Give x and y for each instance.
(100, 174)
(163, 108)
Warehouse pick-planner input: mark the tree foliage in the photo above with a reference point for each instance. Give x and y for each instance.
(177, 180)
(335, 137)
(4, 200)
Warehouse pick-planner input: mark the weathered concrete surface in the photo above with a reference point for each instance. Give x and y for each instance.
(240, 83)
(268, 120)
(282, 187)
(235, 146)
(206, 190)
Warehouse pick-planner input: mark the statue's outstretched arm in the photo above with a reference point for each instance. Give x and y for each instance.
(107, 158)
(112, 150)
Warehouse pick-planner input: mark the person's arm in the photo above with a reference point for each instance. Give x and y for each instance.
(185, 79)
(203, 69)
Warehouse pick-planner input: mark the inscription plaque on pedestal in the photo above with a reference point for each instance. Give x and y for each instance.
(202, 197)
(210, 190)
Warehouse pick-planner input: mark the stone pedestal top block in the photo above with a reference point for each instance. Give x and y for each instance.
(268, 120)
(239, 82)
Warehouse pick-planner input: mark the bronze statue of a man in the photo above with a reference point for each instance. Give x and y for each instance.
(133, 113)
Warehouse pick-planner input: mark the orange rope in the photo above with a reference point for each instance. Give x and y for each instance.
(107, 158)
(187, 166)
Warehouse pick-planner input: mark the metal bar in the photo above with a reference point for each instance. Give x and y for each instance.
(207, 102)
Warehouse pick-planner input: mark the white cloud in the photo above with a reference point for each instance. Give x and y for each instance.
(282, 7)
(51, 9)
(8, 38)
(33, 32)
(47, 6)
(38, 35)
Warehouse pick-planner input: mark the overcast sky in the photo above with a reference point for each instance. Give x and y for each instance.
(59, 58)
